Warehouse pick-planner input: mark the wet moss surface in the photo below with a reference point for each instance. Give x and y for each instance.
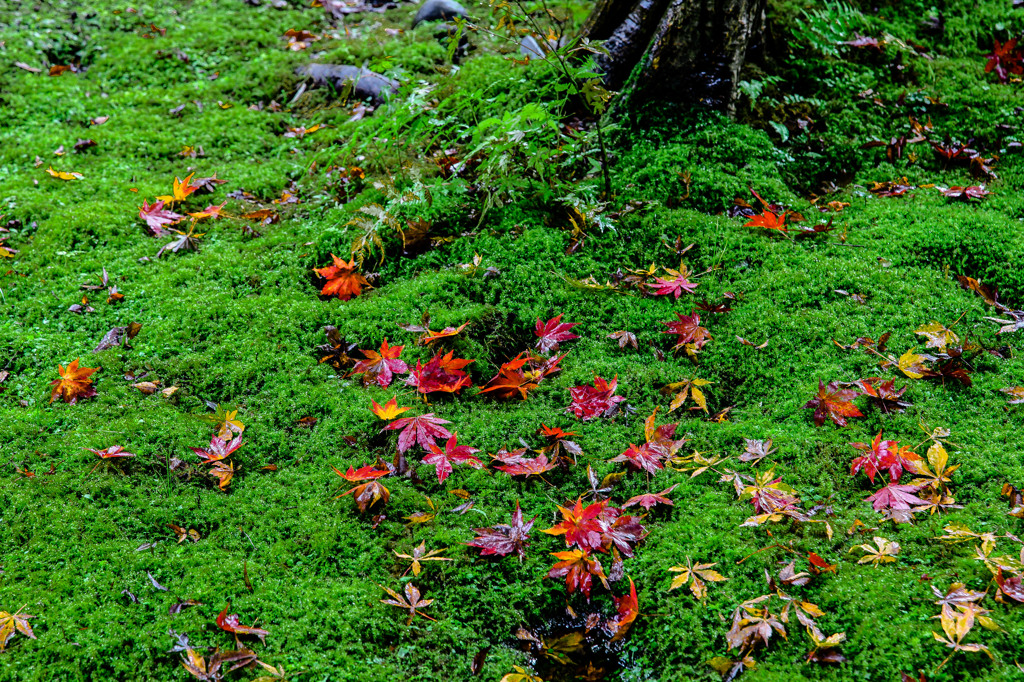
(238, 321)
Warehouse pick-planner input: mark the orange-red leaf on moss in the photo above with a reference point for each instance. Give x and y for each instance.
(229, 622)
(74, 383)
(343, 280)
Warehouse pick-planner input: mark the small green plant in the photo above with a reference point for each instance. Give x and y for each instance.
(823, 29)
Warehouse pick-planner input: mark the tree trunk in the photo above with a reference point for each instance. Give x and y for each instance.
(676, 50)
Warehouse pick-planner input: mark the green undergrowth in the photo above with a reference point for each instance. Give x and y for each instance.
(238, 321)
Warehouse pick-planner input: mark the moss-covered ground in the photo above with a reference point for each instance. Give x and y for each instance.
(238, 322)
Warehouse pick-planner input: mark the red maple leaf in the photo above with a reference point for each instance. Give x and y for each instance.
(591, 402)
(527, 467)
(522, 374)
(342, 278)
(157, 217)
(883, 455)
(834, 403)
(219, 449)
(111, 452)
(876, 456)
(453, 453)
(432, 336)
(382, 366)
(675, 286)
(513, 457)
(628, 608)
(624, 532)
(895, 497)
(503, 539)
(648, 500)
(422, 429)
(580, 525)
(578, 569)
(884, 394)
(366, 473)
(1005, 59)
(966, 193)
(646, 457)
(211, 211)
(553, 332)
(442, 373)
(687, 329)
(229, 622)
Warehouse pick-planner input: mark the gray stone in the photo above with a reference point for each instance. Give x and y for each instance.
(531, 48)
(367, 84)
(439, 10)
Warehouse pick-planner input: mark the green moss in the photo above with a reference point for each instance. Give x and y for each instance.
(238, 323)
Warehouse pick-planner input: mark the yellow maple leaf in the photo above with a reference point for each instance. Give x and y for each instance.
(62, 175)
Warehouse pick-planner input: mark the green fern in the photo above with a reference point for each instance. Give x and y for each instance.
(823, 29)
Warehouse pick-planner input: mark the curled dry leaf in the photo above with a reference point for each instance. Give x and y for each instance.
(756, 450)
(118, 336)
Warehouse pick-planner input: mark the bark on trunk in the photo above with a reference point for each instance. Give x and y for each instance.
(677, 50)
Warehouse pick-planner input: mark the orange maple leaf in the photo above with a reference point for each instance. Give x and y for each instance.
(390, 410)
(511, 380)
(770, 220)
(343, 280)
(182, 188)
(431, 336)
(74, 383)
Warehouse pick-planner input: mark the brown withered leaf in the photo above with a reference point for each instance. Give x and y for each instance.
(411, 601)
(756, 450)
(118, 336)
(624, 338)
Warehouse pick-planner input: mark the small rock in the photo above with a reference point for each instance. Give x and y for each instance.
(368, 85)
(439, 10)
(529, 47)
